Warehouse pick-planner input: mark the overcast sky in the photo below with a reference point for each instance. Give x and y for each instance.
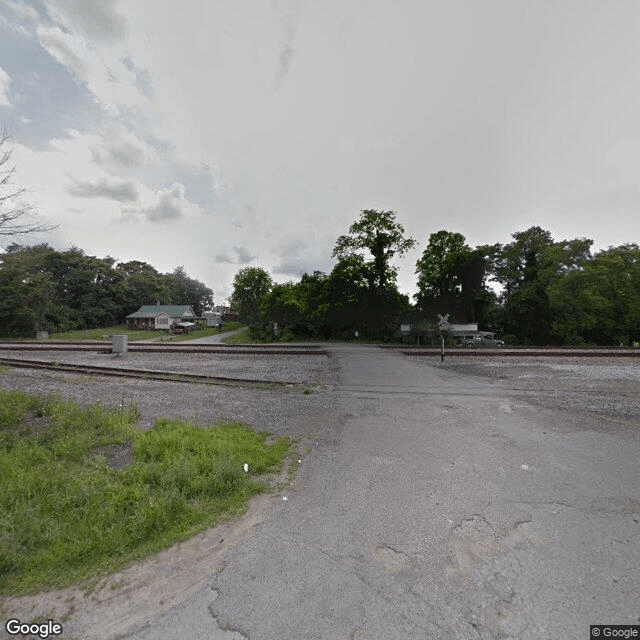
(221, 134)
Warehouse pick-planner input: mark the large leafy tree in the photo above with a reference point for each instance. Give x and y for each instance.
(186, 290)
(348, 281)
(599, 303)
(24, 289)
(65, 290)
(526, 268)
(437, 269)
(452, 276)
(143, 285)
(250, 287)
(382, 236)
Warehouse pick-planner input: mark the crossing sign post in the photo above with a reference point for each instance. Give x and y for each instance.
(443, 324)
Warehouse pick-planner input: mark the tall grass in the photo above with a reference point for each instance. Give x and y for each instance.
(66, 515)
(98, 334)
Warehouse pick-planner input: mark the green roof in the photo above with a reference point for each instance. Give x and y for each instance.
(172, 310)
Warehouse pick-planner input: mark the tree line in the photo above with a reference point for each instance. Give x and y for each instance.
(551, 292)
(42, 288)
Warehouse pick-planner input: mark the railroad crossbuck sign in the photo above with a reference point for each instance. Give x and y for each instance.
(444, 322)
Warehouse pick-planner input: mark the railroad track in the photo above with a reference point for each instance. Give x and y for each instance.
(144, 374)
(593, 352)
(317, 350)
(105, 347)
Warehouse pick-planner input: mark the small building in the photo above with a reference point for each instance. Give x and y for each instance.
(160, 316)
(213, 318)
(226, 313)
(463, 331)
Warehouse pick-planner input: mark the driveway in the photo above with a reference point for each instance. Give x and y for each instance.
(216, 338)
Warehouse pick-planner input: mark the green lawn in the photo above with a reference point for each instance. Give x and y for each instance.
(66, 514)
(240, 338)
(164, 336)
(109, 332)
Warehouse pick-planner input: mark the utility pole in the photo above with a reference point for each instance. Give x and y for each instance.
(444, 326)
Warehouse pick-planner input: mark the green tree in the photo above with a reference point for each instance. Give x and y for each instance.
(285, 305)
(452, 276)
(349, 280)
(250, 287)
(186, 290)
(143, 285)
(24, 293)
(526, 268)
(436, 269)
(599, 303)
(378, 233)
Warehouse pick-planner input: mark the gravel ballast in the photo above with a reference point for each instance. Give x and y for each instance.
(312, 369)
(608, 386)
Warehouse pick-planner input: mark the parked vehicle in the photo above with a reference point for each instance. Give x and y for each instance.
(482, 340)
(214, 319)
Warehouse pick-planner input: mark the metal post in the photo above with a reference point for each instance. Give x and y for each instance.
(442, 347)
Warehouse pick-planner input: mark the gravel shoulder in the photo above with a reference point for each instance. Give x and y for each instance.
(582, 385)
(312, 369)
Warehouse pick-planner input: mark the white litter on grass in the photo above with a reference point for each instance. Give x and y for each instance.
(246, 468)
(299, 461)
(526, 467)
(285, 498)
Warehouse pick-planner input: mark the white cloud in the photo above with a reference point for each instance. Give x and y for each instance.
(68, 50)
(99, 68)
(167, 205)
(120, 149)
(5, 81)
(96, 20)
(243, 256)
(307, 115)
(105, 188)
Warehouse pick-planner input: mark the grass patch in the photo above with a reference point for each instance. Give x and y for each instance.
(241, 338)
(66, 515)
(98, 334)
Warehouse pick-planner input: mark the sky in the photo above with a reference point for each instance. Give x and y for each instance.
(220, 135)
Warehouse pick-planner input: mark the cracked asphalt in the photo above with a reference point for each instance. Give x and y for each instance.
(433, 504)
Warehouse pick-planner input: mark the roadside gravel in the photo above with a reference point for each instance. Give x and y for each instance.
(311, 369)
(292, 410)
(604, 386)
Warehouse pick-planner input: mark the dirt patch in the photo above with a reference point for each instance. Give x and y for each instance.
(118, 456)
(34, 423)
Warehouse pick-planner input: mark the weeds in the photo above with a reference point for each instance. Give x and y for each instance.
(66, 515)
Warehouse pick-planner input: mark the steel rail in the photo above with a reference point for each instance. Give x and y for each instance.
(145, 374)
(545, 352)
(133, 348)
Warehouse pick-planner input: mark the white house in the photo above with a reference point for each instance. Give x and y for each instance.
(160, 316)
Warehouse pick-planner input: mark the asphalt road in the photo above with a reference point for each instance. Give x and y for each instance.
(432, 504)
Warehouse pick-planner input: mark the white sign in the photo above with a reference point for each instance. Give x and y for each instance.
(444, 322)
